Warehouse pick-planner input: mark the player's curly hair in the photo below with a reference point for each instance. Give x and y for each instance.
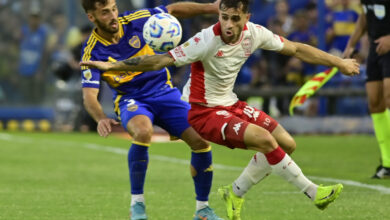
(90, 4)
(235, 4)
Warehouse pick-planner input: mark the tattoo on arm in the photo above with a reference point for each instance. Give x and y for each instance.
(132, 62)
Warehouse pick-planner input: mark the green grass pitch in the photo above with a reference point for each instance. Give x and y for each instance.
(83, 176)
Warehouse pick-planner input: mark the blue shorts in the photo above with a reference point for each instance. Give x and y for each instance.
(166, 110)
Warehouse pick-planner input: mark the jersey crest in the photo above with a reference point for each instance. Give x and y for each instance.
(135, 42)
(379, 11)
(87, 74)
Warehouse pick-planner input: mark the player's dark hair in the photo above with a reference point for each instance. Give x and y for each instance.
(243, 4)
(90, 4)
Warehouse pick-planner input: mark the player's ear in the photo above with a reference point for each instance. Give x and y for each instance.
(248, 16)
(91, 18)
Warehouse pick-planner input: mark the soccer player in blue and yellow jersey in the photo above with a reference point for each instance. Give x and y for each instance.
(142, 99)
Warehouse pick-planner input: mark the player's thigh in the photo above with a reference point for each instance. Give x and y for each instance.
(218, 126)
(136, 117)
(172, 112)
(259, 139)
(284, 139)
(255, 116)
(376, 102)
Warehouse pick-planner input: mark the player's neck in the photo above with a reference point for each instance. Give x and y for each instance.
(230, 41)
(110, 37)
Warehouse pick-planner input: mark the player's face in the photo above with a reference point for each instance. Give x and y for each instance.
(106, 17)
(232, 22)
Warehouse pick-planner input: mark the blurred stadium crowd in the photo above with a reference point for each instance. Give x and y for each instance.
(40, 45)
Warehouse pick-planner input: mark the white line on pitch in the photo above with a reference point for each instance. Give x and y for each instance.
(121, 151)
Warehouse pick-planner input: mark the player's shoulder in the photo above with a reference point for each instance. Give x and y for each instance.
(130, 16)
(134, 15)
(254, 27)
(90, 47)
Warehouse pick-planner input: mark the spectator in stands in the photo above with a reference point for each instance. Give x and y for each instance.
(33, 50)
(282, 16)
(297, 71)
(342, 27)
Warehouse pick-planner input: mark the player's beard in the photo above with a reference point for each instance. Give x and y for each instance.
(107, 28)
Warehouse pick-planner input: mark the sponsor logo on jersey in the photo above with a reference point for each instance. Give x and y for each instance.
(87, 74)
(186, 44)
(219, 53)
(224, 113)
(197, 39)
(135, 42)
(247, 46)
(237, 127)
(179, 52)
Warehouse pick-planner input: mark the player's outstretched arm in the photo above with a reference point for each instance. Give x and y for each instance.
(136, 64)
(313, 55)
(190, 9)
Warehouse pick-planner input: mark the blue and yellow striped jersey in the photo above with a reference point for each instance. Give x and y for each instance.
(131, 44)
(343, 27)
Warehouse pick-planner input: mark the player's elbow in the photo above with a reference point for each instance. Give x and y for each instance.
(290, 48)
(158, 66)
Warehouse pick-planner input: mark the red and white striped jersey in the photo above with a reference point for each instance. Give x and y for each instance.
(215, 64)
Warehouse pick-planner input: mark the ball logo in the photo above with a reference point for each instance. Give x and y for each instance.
(162, 32)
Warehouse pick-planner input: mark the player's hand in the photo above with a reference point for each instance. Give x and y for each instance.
(104, 126)
(350, 67)
(383, 46)
(216, 5)
(104, 66)
(348, 52)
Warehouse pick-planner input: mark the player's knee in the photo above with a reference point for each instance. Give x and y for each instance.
(265, 142)
(387, 100)
(143, 135)
(377, 105)
(290, 146)
(198, 144)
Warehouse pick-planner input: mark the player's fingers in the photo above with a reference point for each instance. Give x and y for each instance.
(85, 63)
(378, 49)
(103, 129)
(106, 129)
(100, 131)
(114, 122)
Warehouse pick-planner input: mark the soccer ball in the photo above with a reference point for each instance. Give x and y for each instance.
(162, 32)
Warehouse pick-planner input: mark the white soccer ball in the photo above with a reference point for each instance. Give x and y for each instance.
(162, 32)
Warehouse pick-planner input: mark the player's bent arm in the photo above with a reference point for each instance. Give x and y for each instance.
(92, 105)
(190, 9)
(313, 55)
(360, 29)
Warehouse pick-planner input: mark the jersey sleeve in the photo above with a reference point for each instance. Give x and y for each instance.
(158, 9)
(265, 39)
(90, 78)
(191, 51)
(146, 12)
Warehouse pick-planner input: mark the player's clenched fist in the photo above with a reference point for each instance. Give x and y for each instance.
(350, 67)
